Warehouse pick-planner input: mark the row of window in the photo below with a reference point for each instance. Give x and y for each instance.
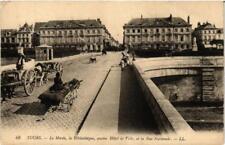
(71, 32)
(87, 39)
(22, 35)
(209, 31)
(175, 46)
(13, 40)
(158, 30)
(212, 37)
(8, 40)
(163, 38)
(23, 39)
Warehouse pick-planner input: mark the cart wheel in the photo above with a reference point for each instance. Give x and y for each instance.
(60, 68)
(29, 82)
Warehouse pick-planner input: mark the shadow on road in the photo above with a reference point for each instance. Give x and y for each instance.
(34, 108)
(134, 113)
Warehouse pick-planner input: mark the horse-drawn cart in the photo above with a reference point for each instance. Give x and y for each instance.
(12, 78)
(61, 99)
(51, 67)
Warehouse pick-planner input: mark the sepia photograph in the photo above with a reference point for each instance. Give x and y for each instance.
(112, 72)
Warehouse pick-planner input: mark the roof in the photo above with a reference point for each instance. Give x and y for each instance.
(12, 31)
(38, 25)
(89, 23)
(26, 28)
(157, 22)
(206, 26)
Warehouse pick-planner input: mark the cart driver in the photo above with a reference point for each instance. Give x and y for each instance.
(58, 83)
(20, 61)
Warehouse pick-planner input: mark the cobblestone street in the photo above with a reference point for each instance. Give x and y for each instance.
(27, 112)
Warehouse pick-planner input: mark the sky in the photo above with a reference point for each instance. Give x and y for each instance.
(112, 14)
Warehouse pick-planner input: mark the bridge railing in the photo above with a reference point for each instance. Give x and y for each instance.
(165, 115)
(180, 62)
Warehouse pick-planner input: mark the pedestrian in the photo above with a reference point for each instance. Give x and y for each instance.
(20, 61)
(133, 55)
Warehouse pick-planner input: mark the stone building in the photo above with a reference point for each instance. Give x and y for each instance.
(170, 33)
(8, 39)
(24, 35)
(206, 34)
(88, 34)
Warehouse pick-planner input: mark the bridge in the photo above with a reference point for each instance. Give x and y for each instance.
(110, 100)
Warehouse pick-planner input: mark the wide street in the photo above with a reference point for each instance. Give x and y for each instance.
(116, 93)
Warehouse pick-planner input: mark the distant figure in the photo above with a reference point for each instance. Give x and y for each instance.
(20, 61)
(104, 52)
(58, 83)
(92, 59)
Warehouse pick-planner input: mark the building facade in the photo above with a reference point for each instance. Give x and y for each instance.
(85, 35)
(171, 33)
(8, 39)
(206, 34)
(24, 36)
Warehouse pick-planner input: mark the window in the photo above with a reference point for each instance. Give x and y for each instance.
(163, 30)
(88, 31)
(93, 31)
(60, 32)
(181, 30)
(43, 32)
(175, 29)
(187, 29)
(182, 46)
(169, 30)
(139, 30)
(146, 30)
(163, 38)
(70, 32)
(99, 31)
(182, 38)
(65, 32)
(157, 30)
(187, 46)
(133, 30)
(48, 32)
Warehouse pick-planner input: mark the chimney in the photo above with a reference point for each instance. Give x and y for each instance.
(188, 19)
(99, 21)
(170, 18)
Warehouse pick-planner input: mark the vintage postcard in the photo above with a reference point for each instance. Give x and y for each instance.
(112, 72)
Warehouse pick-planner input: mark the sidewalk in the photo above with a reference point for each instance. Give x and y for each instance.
(104, 113)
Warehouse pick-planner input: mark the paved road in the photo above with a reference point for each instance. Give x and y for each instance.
(27, 113)
(120, 107)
